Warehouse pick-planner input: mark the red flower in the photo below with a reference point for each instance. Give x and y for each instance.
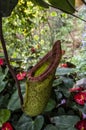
(7, 126)
(1, 61)
(80, 98)
(64, 65)
(81, 125)
(21, 76)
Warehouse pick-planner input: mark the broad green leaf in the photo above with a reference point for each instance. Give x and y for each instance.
(81, 108)
(2, 85)
(57, 82)
(6, 7)
(6, 71)
(26, 123)
(4, 116)
(38, 122)
(58, 95)
(4, 100)
(68, 82)
(61, 111)
(72, 128)
(51, 105)
(65, 122)
(63, 5)
(64, 71)
(50, 127)
(3, 75)
(14, 102)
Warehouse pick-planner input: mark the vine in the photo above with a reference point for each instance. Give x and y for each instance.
(8, 63)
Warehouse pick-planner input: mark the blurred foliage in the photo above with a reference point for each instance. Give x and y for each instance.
(32, 27)
(79, 60)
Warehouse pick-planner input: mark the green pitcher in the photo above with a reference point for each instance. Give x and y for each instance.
(39, 82)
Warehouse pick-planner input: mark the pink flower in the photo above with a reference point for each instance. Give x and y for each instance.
(7, 126)
(80, 98)
(75, 89)
(81, 125)
(1, 61)
(21, 76)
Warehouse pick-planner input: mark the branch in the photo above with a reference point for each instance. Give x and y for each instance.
(8, 63)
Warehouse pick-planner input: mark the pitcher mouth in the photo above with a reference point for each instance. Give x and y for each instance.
(47, 64)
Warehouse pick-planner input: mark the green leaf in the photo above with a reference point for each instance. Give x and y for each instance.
(26, 123)
(58, 95)
(3, 75)
(14, 102)
(63, 5)
(68, 82)
(50, 127)
(6, 7)
(6, 71)
(57, 82)
(4, 100)
(2, 85)
(61, 111)
(82, 109)
(65, 122)
(64, 71)
(51, 105)
(38, 123)
(4, 116)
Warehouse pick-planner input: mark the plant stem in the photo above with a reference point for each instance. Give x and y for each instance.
(8, 63)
